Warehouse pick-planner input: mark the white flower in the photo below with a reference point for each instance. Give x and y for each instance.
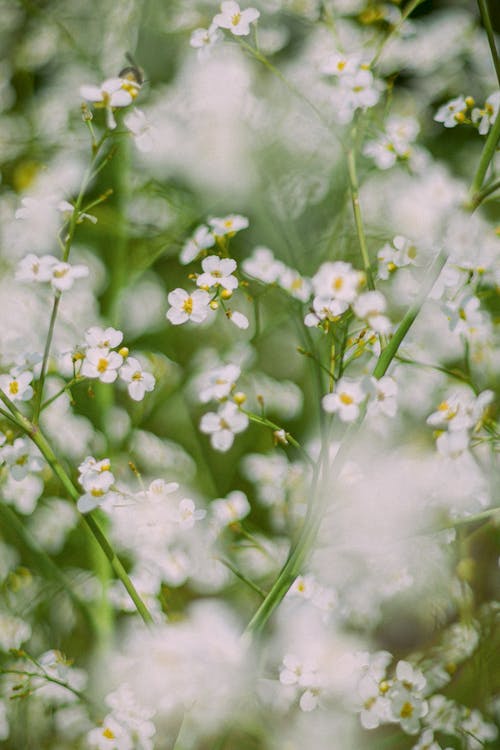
(340, 65)
(369, 306)
(35, 268)
(451, 113)
(204, 39)
(201, 240)
(236, 20)
(64, 275)
(426, 741)
(218, 383)
(231, 509)
(486, 116)
(102, 364)
(218, 272)
(141, 129)
(96, 486)
(20, 459)
(228, 225)
(346, 399)
(325, 308)
(186, 306)
(104, 338)
(360, 91)
(139, 382)
(262, 265)
(337, 281)
(110, 94)
(13, 632)
(464, 314)
(17, 386)
(187, 514)
(110, 736)
(382, 395)
(294, 283)
(304, 587)
(408, 708)
(394, 143)
(223, 425)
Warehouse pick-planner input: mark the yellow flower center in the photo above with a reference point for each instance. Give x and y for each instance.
(406, 710)
(60, 273)
(102, 365)
(108, 734)
(338, 283)
(13, 387)
(236, 19)
(346, 399)
(96, 493)
(187, 305)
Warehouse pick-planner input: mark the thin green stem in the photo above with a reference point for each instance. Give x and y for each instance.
(66, 387)
(485, 16)
(395, 30)
(242, 577)
(445, 370)
(46, 353)
(37, 437)
(485, 193)
(276, 428)
(358, 219)
(44, 676)
(394, 343)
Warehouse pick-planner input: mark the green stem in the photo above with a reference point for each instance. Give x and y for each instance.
(452, 373)
(394, 343)
(66, 387)
(37, 437)
(46, 353)
(358, 219)
(484, 193)
(44, 676)
(267, 423)
(485, 16)
(242, 577)
(395, 30)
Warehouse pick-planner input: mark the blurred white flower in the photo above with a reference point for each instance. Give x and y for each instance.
(236, 20)
(224, 425)
(138, 381)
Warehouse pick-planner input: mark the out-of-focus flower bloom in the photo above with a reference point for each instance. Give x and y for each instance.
(370, 306)
(138, 381)
(141, 129)
(230, 509)
(452, 113)
(64, 275)
(345, 400)
(486, 117)
(203, 40)
(228, 225)
(262, 265)
(201, 240)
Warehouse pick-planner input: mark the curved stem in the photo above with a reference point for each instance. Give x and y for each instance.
(358, 219)
(37, 437)
(485, 17)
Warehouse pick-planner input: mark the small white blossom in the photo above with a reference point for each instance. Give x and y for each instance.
(337, 281)
(187, 514)
(218, 272)
(228, 225)
(230, 509)
(102, 364)
(111, 94)
(218, 383)
(202, 239)
(203, 40)
(223, 425)
(103, 338)
(345, 400)
(452, 113)
(382, 395)
(35, 268)
(486, 116)
(239, 320)
(370, 307)
(17, 386)
(262, 265)
(236, 20)
(186, 306)
(64, 275)
(138, 381)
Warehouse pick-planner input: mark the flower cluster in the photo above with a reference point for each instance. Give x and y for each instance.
(217, 282)
(356, 87)
(96, 479)
(231, 18)
(462, 110)
(47, 268)
(113, 93)
(395, 144)
(97, 360)
(457, 417)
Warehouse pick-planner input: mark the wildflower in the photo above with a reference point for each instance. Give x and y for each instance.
(395, 143)
(236, 20)
(453, 444)
(218, 383)
(64, 275)
(408, 708)
(369, 306)
(262, 265)
(486, 117)
(96, 486)
(400, 253)
(141, 129)
(382, 395)
(103, 338)
(110, 95)
(17, 386)
(325, 308)
(202, 239)
(187, 514)
(231, 509)
(345, 400)
(359, 91)
(139, 382)
(35, 268)
(102, 364)
(340, 65)
(13, 632)
(20, 459)
(295, 284)
(228, 225)
(452, 113)
(426, 741)
(338, 281)
(186, 306)
(223, 425)
(218, 272)
(204, 40)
